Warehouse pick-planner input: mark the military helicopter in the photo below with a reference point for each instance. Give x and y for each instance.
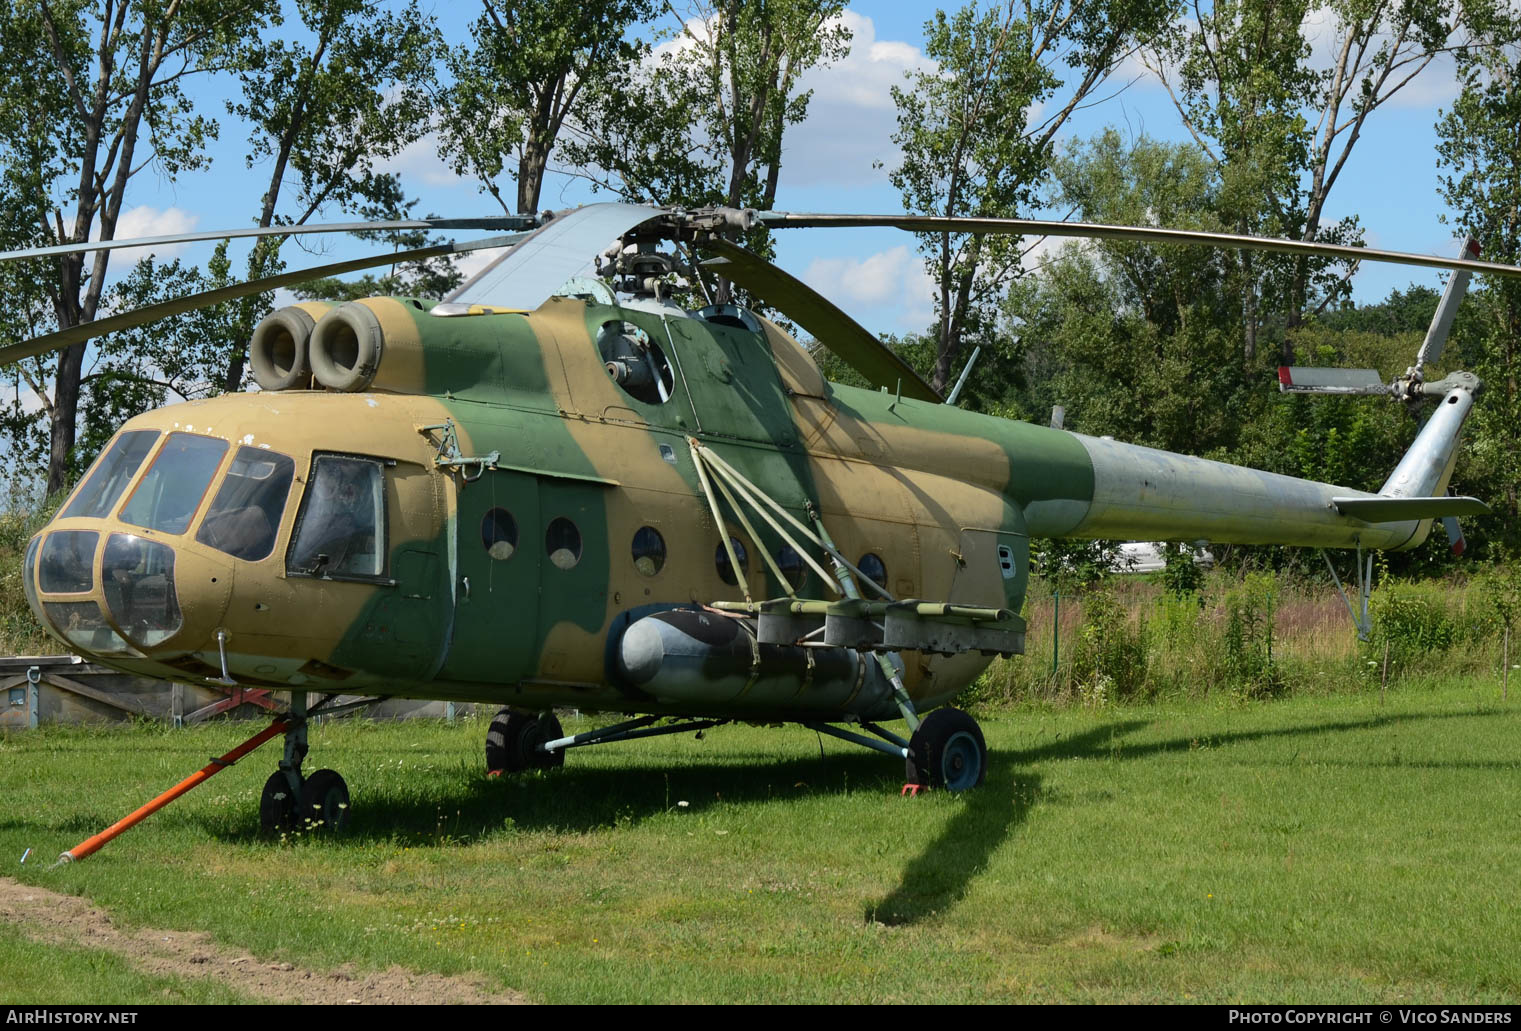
(548, 491)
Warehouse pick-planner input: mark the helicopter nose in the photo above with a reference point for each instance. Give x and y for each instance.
(112, 593)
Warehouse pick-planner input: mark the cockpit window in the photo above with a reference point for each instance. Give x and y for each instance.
(341, 529)
(97, 496)
(245, 514)
(170, 492)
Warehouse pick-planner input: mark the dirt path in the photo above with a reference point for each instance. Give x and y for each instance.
(47, 916)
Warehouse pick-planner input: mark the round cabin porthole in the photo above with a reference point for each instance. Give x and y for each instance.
(649, 551)
(499, 534)
(721, 560)
(563, 542)
(792, 567)
(872, 566)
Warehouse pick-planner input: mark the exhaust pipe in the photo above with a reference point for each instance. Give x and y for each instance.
(346, 347)
(278, 349)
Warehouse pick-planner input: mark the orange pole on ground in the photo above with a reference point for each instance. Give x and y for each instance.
(92, 845)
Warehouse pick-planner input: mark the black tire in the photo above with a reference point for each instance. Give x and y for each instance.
(513, 740)
(277, 805)
(947, 751)
(325, 802)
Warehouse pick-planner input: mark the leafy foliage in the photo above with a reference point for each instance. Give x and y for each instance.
(523, 74)
(968, 145)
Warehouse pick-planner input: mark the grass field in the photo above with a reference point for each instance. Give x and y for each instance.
(1305, 849)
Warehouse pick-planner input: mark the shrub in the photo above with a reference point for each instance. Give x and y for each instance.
(1110, 659)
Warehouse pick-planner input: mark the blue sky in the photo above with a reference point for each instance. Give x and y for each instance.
(828, 165)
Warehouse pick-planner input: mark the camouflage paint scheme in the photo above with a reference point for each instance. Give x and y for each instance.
(930, 489)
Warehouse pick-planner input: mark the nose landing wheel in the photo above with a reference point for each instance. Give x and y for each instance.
(277, 805)
(291, 802)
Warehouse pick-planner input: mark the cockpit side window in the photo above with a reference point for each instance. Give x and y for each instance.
(341, 529)
(171, 490)
(101, 489)
(245, 515)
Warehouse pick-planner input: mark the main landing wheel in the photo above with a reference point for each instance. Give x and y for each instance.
(277, 805)
(325, 801)
(947, 751)
(513, 740)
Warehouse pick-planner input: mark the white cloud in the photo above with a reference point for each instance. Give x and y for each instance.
(144, 221)
(887, 290)
(418, 161)
(851, 116)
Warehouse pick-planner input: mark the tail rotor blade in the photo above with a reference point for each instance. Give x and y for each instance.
(1295, 379)
(1447, 310)
(1454, 534)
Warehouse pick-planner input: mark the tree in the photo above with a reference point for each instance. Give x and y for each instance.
(971, 148)
(78, 89)
(702, 122)
(330, 109)
(522, 77)
(1281, 129)
(1481, 149)
(175, 359)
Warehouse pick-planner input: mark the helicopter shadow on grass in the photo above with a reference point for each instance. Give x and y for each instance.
(470, 806)
(461, 809)
(940, 875)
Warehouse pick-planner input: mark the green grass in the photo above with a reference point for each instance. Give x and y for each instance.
(1305, 849)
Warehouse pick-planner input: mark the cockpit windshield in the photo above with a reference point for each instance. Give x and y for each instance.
(245, 515)
(341, 529)
(169, 493)
(101, 489)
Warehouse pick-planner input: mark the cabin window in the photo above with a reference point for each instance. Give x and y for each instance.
(873, 567)
(563, 542)
(245, 515)
(340, 531)
(721, 560)
(108, 479)
(499, 534)
(169, 493)
(792, 566)
(649, 551)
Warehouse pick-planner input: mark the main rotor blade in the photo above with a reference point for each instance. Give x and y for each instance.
(1447, 310)
(1144, 234)
(511, 222)
(830, 326)
(140, 316)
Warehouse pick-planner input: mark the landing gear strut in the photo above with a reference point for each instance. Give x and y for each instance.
(293, 802)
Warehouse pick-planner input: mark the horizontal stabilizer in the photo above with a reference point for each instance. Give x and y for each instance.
(1395, 510)
(1295, 379)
